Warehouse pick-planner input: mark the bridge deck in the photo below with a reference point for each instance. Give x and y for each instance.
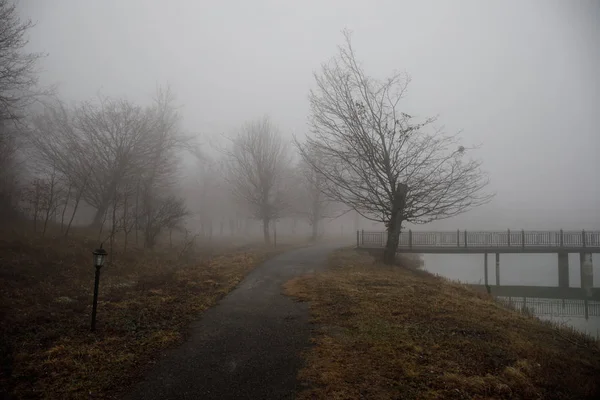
(467, 242)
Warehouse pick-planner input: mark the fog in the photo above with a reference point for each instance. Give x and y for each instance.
(519, 78)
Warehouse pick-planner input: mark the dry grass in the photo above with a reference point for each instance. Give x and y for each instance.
(147, 300)
(396, 333)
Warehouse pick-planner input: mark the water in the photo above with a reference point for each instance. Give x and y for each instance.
(517, 269)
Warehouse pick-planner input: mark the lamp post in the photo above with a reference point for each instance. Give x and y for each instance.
(99, 257)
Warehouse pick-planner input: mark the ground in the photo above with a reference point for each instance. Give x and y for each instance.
(396, 333)
(147, 301)
(378, 332)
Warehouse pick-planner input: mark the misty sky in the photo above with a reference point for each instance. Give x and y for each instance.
(522, 78)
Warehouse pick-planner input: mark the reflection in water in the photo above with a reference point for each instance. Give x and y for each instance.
(526, 270)
(554, 307)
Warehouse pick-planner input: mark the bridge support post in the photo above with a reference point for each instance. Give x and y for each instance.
(497, 269)
(563, 269)
(587, 272)
(485, 269)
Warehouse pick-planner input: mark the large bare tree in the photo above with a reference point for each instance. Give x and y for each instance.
(257, 165)
(381, 161)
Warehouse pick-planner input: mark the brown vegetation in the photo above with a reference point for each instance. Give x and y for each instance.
(390, 333)
(147, 299)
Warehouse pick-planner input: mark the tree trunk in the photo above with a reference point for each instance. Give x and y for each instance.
(125, 241)
(149, 239)
(137, 213)
(99, 216)
(393, 238)
(102, 224)
(395, 224)
(77, 200)
(64, 210)
(266, 234)
(315, 231)
(35, 216)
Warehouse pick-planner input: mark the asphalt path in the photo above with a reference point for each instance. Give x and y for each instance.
(247, 346)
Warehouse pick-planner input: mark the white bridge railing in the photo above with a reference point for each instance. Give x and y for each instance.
(508, 238)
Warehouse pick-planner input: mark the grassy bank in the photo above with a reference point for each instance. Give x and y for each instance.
(147, 300)
(396, 333)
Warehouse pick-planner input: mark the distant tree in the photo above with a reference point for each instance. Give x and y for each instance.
(310, 201)
(208, 196)
(257, 164)
(120, 158)
(101, 144)
(110, 144)
(377, 159)
(160, 208)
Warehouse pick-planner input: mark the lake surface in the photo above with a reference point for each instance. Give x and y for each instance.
(517, 269)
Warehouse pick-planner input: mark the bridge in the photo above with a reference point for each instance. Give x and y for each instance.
(468, 242)
(509, 241)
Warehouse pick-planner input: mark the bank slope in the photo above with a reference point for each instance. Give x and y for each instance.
(389, 332)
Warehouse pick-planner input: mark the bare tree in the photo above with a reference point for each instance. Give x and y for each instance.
(379, 160)
(18, 78)
(18, 90)
(98, 144)
(110, 144)
(257, 163)
(32, 197)
(74, 204)
(116, 133)
(53, 194)
(42, 198)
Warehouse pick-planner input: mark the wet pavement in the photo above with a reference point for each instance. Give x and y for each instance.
(248, 345)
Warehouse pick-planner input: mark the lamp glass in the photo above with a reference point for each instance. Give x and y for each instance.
(99, 260)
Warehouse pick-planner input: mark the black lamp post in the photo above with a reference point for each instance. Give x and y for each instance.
(99, 257)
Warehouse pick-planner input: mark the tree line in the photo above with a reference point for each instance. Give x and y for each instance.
(362, 152)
